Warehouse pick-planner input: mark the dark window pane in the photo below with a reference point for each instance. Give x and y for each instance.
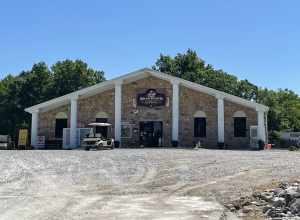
(101, 130)
(240, 127)
(200, 127)
(60, 124)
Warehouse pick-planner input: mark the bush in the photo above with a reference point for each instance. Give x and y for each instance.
(293, 148)
(274, 137)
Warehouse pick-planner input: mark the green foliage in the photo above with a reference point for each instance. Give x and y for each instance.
(293, 148)
(284, 104)
(190, 67)
(274, 137)
(38, 85)
(68, 76)
(284, 108)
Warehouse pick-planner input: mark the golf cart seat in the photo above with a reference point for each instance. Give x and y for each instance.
(98, 135)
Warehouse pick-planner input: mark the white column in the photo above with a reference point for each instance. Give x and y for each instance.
(175, 110)
(221, 138)
(34, 127)
(261, 125)
(118, 110)
(73, 122)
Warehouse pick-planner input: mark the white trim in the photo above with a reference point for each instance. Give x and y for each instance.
(73, 123)
(118, 110)
(239, 114)
(221, 126)
(101, 115)
(175, 110)
(61, 115)
(200, 114)
(261, 126)
(34, 127)
(146, 72)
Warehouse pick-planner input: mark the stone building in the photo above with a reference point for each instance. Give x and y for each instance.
(151, 108)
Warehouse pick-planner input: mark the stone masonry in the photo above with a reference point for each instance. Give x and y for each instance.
(190, 102)
(133, 114)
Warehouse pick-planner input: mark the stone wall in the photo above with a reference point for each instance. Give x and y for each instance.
(190, 102)
(47, 120)
(89, 107)
(229, 109)
(133, 114)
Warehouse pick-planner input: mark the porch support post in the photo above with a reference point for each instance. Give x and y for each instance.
(73, 122)
(34, 127)
(118, 111)
(175, 110)
(261, 125)
(221, 138)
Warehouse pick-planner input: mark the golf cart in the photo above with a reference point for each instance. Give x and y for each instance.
(96, 140)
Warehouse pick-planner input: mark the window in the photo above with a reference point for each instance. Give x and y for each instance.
(60, 124)
(200, 127)
(101, 130)
(240, 127)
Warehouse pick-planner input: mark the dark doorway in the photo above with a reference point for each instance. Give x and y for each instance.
(101, 130)
(151, 133)
(60, 124)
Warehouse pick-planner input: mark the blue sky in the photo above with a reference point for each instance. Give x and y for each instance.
(257, 40)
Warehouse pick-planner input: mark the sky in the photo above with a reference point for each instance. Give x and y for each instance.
(255, 40)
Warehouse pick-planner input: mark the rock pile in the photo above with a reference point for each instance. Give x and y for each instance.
(279, 203)
(283, 202)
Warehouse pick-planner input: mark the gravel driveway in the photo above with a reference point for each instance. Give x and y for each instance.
(134, 183)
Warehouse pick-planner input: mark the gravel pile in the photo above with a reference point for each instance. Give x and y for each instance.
(281, 203)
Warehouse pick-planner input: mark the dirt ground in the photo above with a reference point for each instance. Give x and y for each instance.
(160, 184)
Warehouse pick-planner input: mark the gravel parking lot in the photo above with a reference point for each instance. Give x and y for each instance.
(135, 183)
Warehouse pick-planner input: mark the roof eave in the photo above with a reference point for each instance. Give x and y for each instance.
(192, 85)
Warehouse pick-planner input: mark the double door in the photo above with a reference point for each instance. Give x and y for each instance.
(151, 133)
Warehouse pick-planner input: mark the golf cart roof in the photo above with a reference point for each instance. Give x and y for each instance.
(98, 124)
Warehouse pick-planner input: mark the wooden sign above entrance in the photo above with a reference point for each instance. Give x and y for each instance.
(151, 98)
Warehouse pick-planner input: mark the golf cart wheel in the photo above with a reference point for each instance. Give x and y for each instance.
(100, 147)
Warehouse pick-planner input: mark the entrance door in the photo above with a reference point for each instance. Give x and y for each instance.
(60, 124)
(151, 133)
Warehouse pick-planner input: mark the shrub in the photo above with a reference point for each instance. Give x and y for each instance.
(293, 148)
(274, 137)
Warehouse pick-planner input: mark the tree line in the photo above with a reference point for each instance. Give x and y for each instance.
(37, 85)
(43, 83)
(284, 104)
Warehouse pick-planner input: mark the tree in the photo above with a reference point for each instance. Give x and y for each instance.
(190, 67)
(38, 85)
(284, 110)
(68, 76)
(284, 104)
